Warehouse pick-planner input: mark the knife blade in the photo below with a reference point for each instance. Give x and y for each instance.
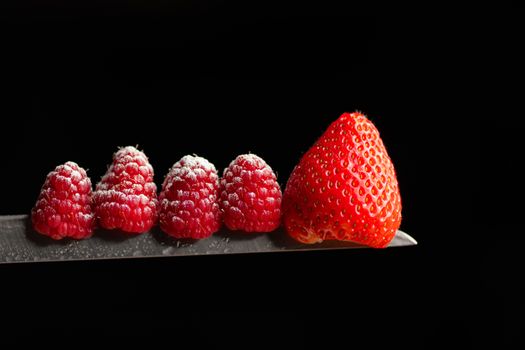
(19, 243)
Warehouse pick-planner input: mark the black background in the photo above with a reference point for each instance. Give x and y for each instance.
(223, 79)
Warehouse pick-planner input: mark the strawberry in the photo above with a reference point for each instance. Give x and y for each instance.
(344, 188)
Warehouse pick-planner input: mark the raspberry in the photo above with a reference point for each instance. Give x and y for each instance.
(63, 208)
(188, 200)
(250, 195)
(126, 196)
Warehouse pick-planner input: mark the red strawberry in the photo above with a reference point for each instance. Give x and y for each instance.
(126, 196)
(344, 188)
(189, 205)
(63, 208)
(250, 195)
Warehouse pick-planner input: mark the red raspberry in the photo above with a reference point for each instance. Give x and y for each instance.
(188, 200)
(63, 208)
(250, 195)
(126, 196)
